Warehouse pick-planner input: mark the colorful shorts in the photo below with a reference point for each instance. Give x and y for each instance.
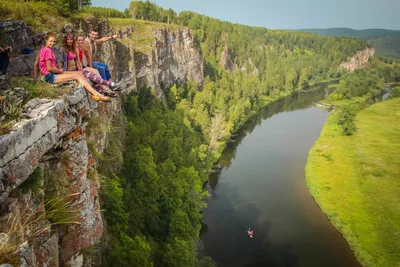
(50, 77)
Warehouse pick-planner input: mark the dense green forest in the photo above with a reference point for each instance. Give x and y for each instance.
(362, 84)
(147, 10)
(153, 204)
(268, 64)
(368, 82)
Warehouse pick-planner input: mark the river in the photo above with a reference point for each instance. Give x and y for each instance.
(260, 184)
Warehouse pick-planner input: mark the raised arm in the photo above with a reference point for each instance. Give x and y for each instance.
(107, 38)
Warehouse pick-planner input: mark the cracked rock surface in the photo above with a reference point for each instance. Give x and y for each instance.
(30, 139)
(52, 137)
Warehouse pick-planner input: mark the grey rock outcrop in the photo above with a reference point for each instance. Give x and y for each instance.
(360, 59)
(22, 148)
(173, 59)
(226, 59)
(53, 137)
(22, 65)
(17, 34)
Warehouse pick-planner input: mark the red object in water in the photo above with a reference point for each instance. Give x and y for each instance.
(250, 233)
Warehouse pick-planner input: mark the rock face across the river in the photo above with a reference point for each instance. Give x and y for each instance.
(360, 59)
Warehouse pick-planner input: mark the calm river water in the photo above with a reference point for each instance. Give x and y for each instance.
(261, 185)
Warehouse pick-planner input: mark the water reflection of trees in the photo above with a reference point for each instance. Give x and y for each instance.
(299, 100)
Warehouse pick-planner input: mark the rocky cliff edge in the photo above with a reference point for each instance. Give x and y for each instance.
(49, 186)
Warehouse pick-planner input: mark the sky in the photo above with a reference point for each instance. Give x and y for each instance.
(288, 14)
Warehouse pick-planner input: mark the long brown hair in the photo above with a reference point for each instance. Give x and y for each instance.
(66, 46)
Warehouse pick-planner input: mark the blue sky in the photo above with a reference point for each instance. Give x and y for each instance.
(288, 14)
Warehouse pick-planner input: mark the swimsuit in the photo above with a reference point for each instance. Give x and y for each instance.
(71, 56)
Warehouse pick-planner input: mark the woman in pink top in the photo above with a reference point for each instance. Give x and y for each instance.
(46, 61)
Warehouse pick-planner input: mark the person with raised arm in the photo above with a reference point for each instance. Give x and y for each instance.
(91, 46)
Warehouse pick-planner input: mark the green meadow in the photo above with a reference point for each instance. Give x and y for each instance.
(356, 182)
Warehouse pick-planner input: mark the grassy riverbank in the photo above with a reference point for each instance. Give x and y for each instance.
(355, 181)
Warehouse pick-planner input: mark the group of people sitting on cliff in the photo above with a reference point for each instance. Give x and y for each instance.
(76, 64)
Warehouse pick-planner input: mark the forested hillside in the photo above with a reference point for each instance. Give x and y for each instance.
(156, 164)
(346, 32)
(386, 42)
(153, 204)
(266, 64)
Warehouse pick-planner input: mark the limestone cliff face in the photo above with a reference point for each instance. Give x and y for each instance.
(172, 59)
(49, 155)
(53, 138)
(226, 59)
(360, 59)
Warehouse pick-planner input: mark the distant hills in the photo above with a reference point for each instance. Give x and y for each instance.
(386, 42)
